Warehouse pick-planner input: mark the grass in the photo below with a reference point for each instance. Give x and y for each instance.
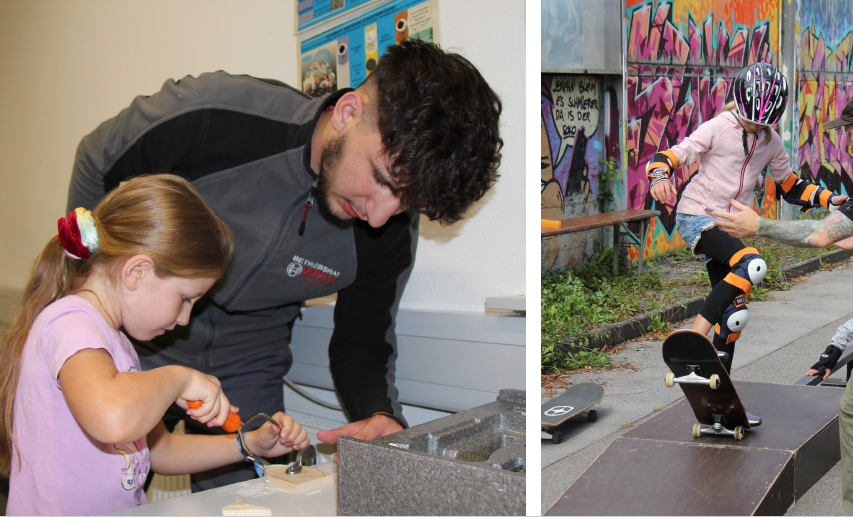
(580, 300)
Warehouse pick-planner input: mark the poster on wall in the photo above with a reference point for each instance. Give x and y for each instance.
(310, 13)
(344, 55)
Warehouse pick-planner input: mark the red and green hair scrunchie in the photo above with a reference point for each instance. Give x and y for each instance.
(78, 235)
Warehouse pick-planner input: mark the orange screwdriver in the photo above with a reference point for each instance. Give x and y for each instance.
(231, 425)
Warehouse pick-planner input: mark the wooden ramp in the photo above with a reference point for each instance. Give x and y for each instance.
(658, 468)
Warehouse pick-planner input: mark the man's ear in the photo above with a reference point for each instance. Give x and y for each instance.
(348, 110)
(135, 269)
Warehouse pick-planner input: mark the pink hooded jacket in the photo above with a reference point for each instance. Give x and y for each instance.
(724, 172)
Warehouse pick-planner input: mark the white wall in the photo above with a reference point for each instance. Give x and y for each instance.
(67, 65)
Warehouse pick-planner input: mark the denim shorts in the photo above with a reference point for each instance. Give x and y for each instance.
(690, 227)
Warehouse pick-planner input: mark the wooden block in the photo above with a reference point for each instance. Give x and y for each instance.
(239, 508)
(308, 478)
(547, 223)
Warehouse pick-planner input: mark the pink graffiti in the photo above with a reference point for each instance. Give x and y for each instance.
(667, 102)
(820, 97)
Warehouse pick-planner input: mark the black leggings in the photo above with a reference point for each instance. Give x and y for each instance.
(720, 247)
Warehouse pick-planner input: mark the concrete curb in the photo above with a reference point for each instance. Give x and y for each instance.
(640, 324)
(815, 263)
(636, 326)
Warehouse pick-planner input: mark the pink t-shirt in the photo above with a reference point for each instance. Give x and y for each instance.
(63, 470)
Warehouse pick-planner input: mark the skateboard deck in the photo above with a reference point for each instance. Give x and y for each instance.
(575, 400)
(706, 384)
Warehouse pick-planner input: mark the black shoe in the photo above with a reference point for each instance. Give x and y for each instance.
(753, 420)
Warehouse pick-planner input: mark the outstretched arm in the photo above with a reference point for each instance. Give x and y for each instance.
(802, 234)
(806, 233)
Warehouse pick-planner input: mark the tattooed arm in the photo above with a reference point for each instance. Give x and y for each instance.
(807, 233)
(803, 234)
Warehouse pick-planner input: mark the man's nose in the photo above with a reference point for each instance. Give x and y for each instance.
(382, 208)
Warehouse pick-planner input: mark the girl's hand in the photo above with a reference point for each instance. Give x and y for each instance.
(271, 441)
(215, 407)
(662, 191)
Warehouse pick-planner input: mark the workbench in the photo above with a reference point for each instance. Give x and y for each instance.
(320, 501)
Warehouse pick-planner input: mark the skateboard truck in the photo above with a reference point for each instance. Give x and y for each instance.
(693, 377)
(718, 429)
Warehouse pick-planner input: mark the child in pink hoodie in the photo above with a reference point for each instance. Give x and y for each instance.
(733, 149)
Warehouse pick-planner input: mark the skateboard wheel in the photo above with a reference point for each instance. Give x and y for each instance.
(557, 437)
(697, 430)
(670, 380)
(593, 415)
(738, 433)
(715, 381)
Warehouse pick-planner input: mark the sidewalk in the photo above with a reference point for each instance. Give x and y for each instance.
(785, 335)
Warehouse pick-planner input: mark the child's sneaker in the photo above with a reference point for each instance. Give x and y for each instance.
(753, 420)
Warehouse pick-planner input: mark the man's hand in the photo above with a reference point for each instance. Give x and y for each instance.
(373, 427)
(740, 224)
(662, 191)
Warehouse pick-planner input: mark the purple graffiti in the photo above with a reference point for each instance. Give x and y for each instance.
(689, 84)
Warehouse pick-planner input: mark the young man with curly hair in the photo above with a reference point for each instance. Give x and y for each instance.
(323, 196)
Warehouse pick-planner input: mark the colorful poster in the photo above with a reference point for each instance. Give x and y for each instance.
(310, 13)
(344, 56)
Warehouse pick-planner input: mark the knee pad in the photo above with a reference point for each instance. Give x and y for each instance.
(733, 321)
(748, 269)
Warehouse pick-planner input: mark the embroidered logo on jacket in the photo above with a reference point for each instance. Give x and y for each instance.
(312, 272)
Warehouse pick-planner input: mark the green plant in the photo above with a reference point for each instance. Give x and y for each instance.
(656, 324)
(578, 301)
(608, 178)
(593, 359)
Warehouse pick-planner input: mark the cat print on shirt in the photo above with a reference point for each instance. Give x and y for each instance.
(135, 472)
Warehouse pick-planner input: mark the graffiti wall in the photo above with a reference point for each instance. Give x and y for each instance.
(824, 60)
(682, 58)
(573, 146)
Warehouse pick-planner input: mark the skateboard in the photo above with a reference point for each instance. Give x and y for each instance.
(706, 384)
(576, 399)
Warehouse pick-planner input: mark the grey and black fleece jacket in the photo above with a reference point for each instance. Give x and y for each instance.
(245, 144)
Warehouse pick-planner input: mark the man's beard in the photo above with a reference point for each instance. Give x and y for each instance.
(329, 162)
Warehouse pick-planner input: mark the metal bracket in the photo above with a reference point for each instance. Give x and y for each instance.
(309, 454)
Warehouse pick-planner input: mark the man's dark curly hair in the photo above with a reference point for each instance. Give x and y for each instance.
(438, 119)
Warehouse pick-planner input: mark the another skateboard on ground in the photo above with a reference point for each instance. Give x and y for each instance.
(696, 367)
(575, 400)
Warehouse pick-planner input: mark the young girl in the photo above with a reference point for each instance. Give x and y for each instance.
(733, 149)
(81, 423)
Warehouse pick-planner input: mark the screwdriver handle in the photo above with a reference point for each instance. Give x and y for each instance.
(231, 425)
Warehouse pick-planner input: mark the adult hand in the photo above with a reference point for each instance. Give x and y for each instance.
(812, 372)
(838, 200)
(662, 191)
(373, 427)
(740, 224)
